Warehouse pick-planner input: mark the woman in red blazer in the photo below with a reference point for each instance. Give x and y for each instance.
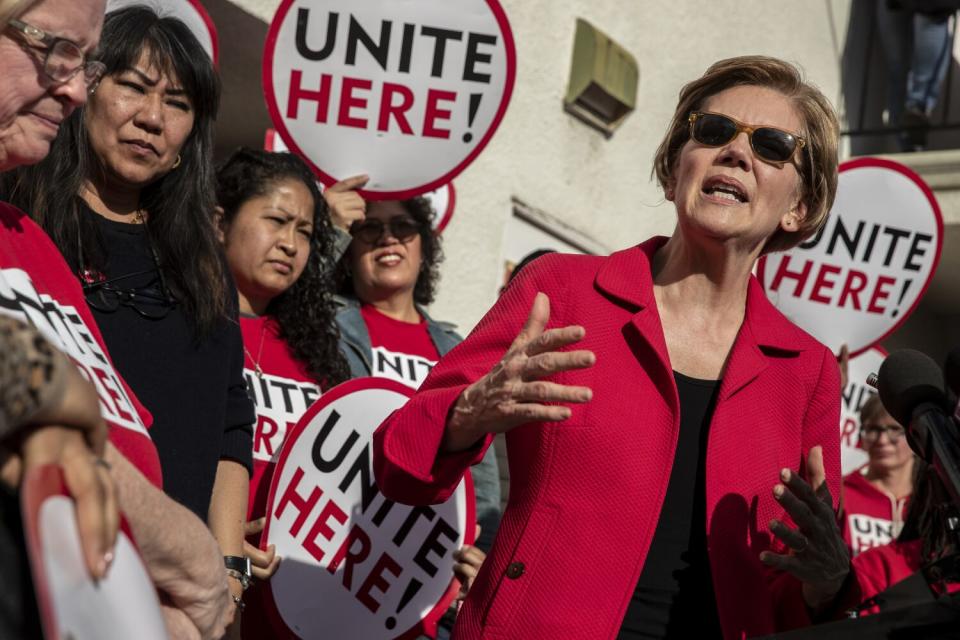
(652, 400)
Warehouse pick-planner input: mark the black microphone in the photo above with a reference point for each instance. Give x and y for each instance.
(910, 389)
(951, 381)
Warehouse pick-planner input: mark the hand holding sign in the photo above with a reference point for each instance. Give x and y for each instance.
(122, 604)
(345, 204)
(469, 560)
(263, 562)
(90, 485)
(513, 393)
(356, 565)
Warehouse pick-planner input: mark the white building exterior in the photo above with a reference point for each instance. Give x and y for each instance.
(600, 189)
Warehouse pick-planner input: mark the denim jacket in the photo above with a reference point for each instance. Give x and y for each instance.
(356, 348)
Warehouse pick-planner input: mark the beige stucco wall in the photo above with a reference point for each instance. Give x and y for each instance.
(554, 163)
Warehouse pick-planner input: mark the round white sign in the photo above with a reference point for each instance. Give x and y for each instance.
(864, 273)
(356, 565)
(853, 396)
(408, 92)
(121, 605)
(443, 201)
(191, 12)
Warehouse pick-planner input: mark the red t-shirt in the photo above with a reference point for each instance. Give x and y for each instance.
(37, 286)
(871, 517)
(880, 568)
(281, 393)
(401, 351)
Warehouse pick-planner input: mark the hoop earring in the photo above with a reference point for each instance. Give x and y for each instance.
(176, 163)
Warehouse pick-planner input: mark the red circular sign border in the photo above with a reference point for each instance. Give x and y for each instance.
(448, 214)
(339, 391)
(859, 163)
(280, 126)
(211, 27)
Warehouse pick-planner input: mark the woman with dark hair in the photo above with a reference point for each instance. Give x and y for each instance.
(277, 237)
(389, 272)
(666, 425)
(127, 196)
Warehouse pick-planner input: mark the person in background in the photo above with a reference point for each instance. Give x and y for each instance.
(926, 537)
(49, 414)
(916, 44)
(127, 196)
(388, 274)
(875, 496)
(641, 513)
(277, 238)
(46, 69)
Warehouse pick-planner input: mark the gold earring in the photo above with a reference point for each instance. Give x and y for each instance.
(176, 163)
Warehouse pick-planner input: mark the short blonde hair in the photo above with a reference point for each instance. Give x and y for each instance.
(10, 9)
(872, 409)
(821, 129)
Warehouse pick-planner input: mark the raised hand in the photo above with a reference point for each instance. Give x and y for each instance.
(513, 393)
(818, 556)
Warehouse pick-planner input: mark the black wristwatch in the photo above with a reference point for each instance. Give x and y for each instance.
(239, 567)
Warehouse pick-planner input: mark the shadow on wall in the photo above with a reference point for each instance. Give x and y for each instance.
(864, 82)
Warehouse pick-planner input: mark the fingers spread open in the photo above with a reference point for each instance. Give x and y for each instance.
(779, 561)
(542, 391)
(816, 473)
(536, 321)
(532, 412)
(791, 537)
(798, 509)
(546, 364)
(554, 339)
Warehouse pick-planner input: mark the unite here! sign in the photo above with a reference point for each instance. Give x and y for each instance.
(852, 398)
(407, 92)
(355, 564)
(865, 271)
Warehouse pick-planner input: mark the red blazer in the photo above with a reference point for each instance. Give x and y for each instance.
(585, 494)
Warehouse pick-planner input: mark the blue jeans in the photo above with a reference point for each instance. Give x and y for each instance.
(916, 47)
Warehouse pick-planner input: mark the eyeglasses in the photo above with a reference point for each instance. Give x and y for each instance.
(769, 143)
(63, 58)
(371, 229)
(150, 301)
(872, 434)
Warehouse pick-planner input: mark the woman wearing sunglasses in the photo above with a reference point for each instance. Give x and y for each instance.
(127, 196)
(387, 275)
(277, 238)
(663, 419)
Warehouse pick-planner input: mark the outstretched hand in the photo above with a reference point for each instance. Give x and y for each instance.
(817, 554)
(513, 392)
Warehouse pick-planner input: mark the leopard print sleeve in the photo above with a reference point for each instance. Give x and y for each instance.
(32, 374)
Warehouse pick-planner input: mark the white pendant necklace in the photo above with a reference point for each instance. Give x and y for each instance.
(256, 362)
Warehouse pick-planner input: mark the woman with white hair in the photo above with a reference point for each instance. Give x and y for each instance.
(48, 415)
